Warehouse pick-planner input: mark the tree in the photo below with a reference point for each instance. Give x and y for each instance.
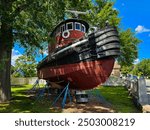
(12, 69)
(142, 68)
(25, 66)
(127, 69)
(129, 51)
(26, 21)
(30, 21)
(102, 11)
(99, 12)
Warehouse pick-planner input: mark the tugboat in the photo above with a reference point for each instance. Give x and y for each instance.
(83, 58)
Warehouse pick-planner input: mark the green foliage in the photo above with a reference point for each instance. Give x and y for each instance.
(142, 68)
(129, 51)
(106, 14)
(32, 21)
(102, 11)
(127, 69)
(25, 66)
(12, 69)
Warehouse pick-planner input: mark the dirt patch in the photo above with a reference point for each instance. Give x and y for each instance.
(87, 108)
(95, 105)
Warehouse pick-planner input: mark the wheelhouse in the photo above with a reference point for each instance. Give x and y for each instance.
(68, 31)
(70, 24)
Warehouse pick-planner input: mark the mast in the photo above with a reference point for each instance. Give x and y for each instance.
(77, 13)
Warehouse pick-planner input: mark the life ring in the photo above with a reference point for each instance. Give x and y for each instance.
(66, 34)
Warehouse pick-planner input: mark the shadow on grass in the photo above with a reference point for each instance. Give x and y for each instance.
(24, 103)
(119, 98)
(21, 102)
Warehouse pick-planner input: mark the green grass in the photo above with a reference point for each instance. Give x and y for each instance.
(23, 103)
(119, 98)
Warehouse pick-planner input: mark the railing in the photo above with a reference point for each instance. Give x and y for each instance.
(137, 89)
(114, 81)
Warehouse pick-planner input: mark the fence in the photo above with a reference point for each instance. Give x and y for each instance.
(24, 81)
(137, 88)
(114, 81)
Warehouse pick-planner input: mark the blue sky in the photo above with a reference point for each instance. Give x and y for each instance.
(135, 14)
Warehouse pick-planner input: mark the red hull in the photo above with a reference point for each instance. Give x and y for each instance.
(82, 76)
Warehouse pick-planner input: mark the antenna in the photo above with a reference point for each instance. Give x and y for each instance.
(76, 13)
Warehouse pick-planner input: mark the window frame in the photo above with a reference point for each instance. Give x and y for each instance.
(82, 25)
(79, 26)
(68, 24)
(62, 27)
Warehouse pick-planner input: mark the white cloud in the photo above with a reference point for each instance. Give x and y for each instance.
(136, 61)
(141, 29)
(15, 55)
(115, 9)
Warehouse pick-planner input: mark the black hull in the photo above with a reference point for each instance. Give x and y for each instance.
(101, 44)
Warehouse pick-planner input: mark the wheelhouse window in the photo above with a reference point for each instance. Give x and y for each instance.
(77, 26)
(83, 28)
(70, 26)
(63, 28)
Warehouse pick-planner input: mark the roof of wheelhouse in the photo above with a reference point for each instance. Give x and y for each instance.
(71, 20)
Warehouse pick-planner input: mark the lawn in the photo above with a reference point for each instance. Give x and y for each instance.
(23, 103)
(119, 98)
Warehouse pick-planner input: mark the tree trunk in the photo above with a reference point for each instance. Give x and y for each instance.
(6, 44)
(5, 62)
(5, 86)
